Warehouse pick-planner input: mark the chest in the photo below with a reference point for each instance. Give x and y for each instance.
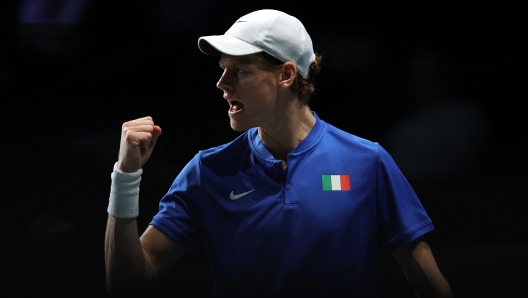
(317, 198)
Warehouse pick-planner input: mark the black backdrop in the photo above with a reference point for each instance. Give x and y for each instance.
(67, 87)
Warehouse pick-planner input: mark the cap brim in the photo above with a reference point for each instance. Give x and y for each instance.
(217, 44)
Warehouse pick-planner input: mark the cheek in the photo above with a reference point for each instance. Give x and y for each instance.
(252, 90)
(265, 86)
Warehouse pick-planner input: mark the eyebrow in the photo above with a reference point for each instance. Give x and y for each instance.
(237, 60)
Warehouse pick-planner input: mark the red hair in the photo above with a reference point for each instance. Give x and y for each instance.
(304, 87)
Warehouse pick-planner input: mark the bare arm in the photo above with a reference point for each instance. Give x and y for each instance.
(420, 268)
(132, 262)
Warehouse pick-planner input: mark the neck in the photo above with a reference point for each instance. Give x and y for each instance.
(287, 131)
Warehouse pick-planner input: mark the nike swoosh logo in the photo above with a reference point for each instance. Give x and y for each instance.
(234, 197)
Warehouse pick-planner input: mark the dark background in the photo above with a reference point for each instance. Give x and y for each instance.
(69, 77)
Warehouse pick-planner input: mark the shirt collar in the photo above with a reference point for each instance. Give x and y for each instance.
(312, 139)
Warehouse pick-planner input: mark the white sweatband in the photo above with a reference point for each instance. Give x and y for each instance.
(124, 193)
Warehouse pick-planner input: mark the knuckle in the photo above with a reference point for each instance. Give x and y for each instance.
(128, 134)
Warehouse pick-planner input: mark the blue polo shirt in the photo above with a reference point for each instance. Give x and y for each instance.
(315, 229)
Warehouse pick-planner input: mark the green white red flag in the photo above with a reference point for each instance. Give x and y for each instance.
(336, 182)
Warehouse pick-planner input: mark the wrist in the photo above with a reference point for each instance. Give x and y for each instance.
(124, 193)
(124, 167)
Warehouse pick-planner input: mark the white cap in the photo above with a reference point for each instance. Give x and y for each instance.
(274, 32)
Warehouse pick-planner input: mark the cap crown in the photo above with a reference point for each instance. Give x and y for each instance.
(278, 34)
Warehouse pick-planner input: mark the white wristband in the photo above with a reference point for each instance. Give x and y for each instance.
(124, 193)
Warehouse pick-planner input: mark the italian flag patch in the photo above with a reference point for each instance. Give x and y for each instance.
(336, 182)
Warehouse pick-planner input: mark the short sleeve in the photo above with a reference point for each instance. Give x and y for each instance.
(401, 218)
(175, 216)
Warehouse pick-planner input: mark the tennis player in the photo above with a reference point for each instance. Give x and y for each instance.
(292, 207)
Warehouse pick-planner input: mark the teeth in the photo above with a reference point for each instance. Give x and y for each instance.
(235, 106)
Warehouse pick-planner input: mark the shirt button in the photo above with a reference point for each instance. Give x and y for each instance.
(288, 186)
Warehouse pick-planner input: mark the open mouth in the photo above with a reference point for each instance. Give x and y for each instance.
(235, 106)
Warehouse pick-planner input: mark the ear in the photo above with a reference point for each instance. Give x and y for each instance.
(288, 74)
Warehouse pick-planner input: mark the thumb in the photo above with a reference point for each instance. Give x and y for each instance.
(155, 134)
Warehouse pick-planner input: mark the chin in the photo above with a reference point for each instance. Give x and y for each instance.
(239, 126)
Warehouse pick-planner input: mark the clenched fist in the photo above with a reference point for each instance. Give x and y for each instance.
(138, 138)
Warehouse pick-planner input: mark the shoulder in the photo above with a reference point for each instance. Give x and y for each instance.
(343, 140)
(216, 161)
(228, 153)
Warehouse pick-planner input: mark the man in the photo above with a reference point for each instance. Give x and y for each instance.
(292, 207)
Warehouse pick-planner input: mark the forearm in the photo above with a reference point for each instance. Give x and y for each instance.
(430, 284)
(128, 268)
(433, 284)
(128, 258)
(420, 268)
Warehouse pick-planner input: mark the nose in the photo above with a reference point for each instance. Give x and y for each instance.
(224, 82)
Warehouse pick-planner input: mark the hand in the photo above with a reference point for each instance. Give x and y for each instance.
(138, 138)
